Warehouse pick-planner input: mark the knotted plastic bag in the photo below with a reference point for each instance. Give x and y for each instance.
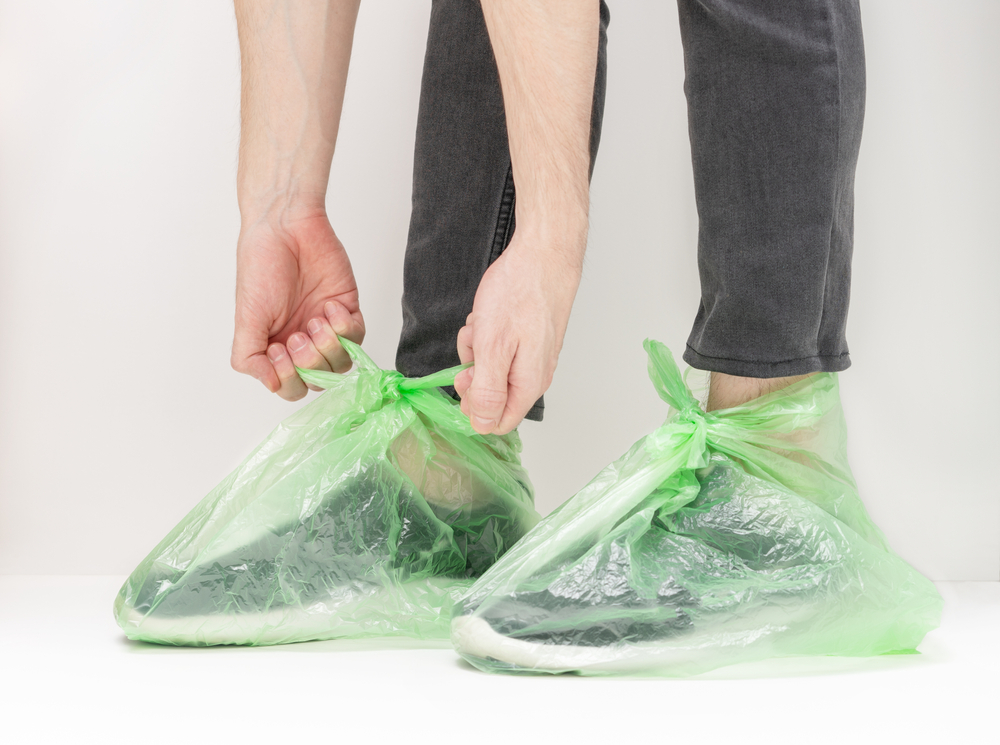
(366, 513)
(721, 537)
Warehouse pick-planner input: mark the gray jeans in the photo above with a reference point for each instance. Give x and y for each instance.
(775, 92)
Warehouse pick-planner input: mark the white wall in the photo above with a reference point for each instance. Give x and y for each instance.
(118, 220)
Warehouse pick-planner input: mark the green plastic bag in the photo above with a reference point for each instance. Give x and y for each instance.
(719, 538)
(366, 513)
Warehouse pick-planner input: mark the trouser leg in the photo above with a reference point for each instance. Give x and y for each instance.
(775, 93)
(463, 186)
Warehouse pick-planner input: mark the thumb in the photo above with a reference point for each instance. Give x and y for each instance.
(487, 396)
(250, 353)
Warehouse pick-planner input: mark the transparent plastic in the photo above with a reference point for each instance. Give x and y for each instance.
(719, 538)
(366, 513)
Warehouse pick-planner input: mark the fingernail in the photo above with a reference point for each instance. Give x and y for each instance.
(275, 353)
(330, 308)
(487, 424)
(314, 326)
(297, 342)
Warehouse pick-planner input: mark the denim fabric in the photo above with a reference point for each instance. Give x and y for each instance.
(776, 92)
(463, 186)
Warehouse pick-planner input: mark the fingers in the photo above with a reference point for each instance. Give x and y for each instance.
(291, 386)
(258, 366)
(495, 390)
(324, 341)
(305, 355)
(319, 349)
(344, 323)
(322, 350)
(462, 382)
(491, 397)
(519, 399)
(519, 402)
(487, 394)
(464, 379)
(465, 342)
(323, 333)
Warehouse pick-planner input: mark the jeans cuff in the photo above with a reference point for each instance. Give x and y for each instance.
(766, 369)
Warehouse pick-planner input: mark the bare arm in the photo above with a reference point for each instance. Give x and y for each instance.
(295, 286)
(546, 52)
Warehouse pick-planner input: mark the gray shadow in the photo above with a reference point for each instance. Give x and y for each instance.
(334, 646)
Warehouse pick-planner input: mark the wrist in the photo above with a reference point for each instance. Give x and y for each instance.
(559, 238)
(274, 181)
(279, 203)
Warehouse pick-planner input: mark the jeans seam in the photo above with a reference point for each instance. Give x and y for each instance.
(834, 209)
(768, 362)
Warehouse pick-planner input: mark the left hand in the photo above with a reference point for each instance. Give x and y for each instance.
(515, 331)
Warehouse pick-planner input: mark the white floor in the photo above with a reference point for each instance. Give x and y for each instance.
(68, 675)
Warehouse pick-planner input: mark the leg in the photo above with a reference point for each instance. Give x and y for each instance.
(726, 391)
(463, 188)
(775, 104)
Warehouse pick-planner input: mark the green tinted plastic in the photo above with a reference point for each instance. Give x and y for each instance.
(719, 538)
(365, 513)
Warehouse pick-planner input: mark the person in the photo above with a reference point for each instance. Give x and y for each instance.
(742, 524)
(513, 95)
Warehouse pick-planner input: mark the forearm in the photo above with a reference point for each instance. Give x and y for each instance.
(546, 52)
(294, 56)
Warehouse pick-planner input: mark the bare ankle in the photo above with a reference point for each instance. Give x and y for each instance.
(727, 391)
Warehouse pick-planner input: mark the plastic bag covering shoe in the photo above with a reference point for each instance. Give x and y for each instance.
(366, 513)
(719, 538)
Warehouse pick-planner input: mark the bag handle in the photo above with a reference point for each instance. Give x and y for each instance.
(667, 378)
(392, 379)
(393, 385)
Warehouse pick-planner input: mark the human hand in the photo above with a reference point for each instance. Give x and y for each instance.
(295, 293)
(515, 331)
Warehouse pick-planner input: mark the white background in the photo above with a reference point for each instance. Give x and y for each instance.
(118, 221)
(72, 677)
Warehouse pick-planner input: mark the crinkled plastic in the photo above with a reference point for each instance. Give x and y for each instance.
(366, 513)
(719, 538)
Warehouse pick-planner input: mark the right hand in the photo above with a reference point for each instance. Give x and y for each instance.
(295, 293)
(517, 325)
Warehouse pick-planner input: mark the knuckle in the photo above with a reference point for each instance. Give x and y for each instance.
(498, 347)
(488, 399)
